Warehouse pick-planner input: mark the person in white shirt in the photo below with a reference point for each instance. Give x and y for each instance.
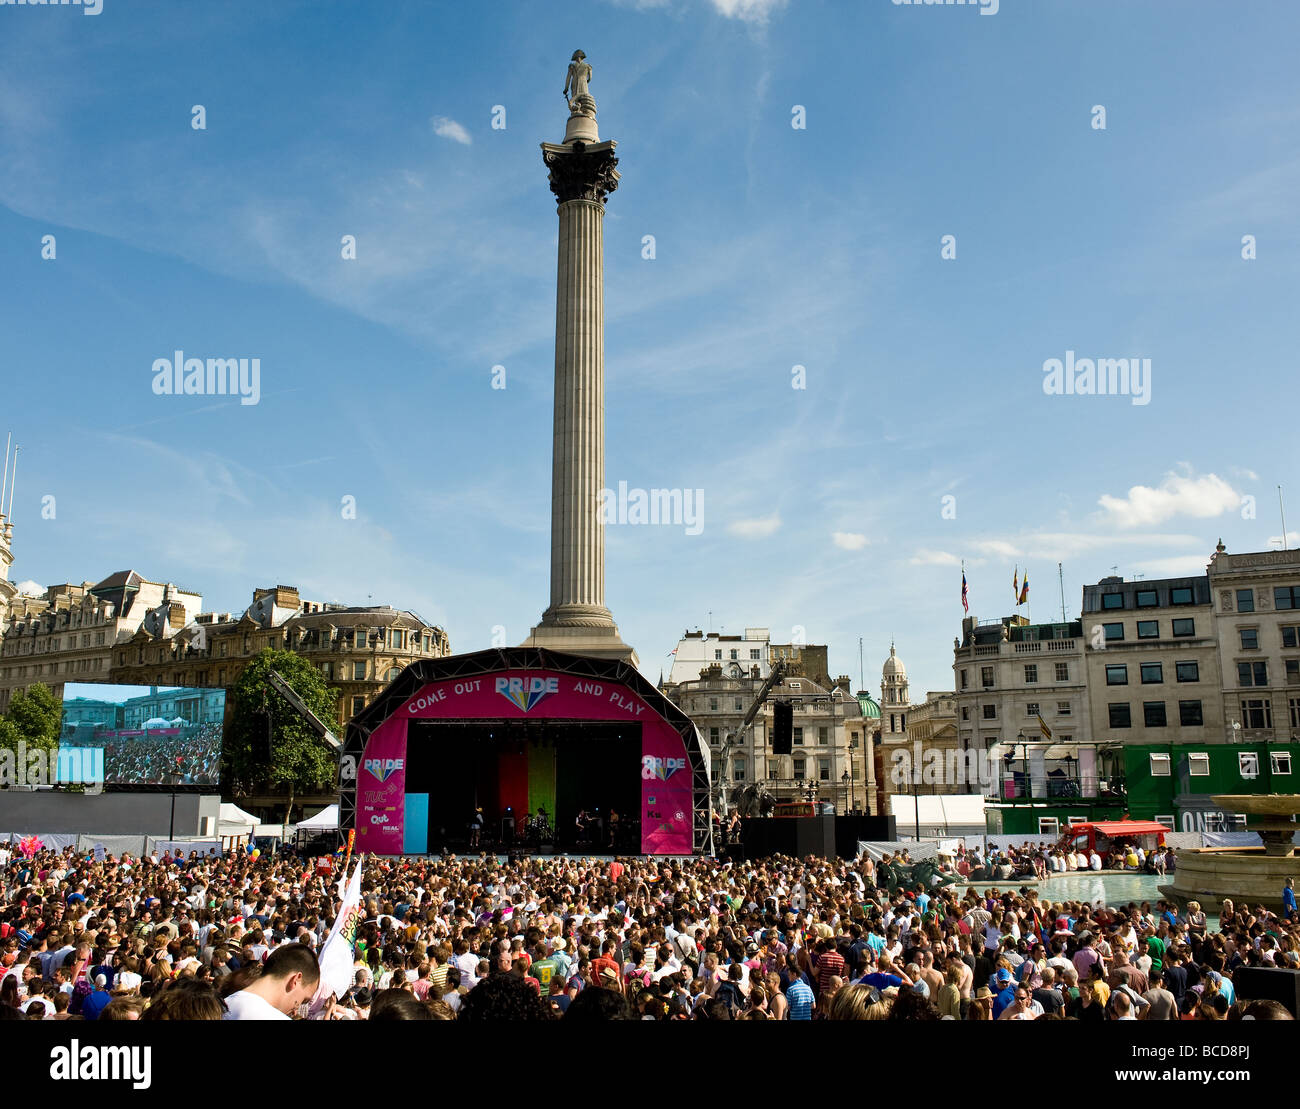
(1094, 860)
(288, 980)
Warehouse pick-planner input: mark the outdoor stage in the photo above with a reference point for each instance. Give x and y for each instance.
(517, 730)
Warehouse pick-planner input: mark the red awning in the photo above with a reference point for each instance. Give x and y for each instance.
(1127, 827)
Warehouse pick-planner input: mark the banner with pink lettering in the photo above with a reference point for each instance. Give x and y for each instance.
(666, 793)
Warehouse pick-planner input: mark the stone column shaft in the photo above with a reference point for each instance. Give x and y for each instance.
(578, 454)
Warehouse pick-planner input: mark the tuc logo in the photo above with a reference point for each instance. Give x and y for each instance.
(654, 767)
(525, 693)
(383, 769)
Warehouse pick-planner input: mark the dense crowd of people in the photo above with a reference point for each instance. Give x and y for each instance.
(480, 939)
(190, 759)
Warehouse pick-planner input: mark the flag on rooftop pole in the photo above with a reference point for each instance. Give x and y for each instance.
(1015, 585)
(1024, 590)
(336, 955)
(965, 600)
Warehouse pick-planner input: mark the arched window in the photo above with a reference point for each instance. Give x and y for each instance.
(392, 673)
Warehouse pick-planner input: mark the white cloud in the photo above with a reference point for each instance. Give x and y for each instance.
(450, 129)
(31, 588)
(1178, 495)
(934, 558)
(1180, 566)
(747, 11)
(758, 527)
(850, 540)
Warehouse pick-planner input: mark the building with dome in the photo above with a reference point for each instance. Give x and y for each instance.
(895, 701)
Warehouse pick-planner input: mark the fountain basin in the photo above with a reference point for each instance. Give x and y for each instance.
(1242, 874)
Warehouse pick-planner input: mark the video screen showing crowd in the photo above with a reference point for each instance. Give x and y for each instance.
(151, 736)
(538, 833)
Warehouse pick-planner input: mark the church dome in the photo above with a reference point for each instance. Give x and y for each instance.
(893, 667)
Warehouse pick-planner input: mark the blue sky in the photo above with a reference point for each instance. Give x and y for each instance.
(774, 247)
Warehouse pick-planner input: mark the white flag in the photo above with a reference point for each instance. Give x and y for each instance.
(336, 956)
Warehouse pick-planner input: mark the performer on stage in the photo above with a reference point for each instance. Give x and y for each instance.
(508, 826)
(476, 828)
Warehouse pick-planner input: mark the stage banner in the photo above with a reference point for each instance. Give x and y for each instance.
(381, 791)
(666, 781)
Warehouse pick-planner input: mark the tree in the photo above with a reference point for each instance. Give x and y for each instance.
(300, 760)
(34, 716)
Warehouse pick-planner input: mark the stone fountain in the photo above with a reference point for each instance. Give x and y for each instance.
(1253, 875)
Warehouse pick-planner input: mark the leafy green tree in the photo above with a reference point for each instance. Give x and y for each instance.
(34, 715)
(300, 760)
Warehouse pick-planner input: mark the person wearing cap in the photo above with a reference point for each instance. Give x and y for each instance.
(1006, 987)
(94, 1002)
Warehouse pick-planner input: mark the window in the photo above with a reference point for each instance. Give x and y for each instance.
(1114, 632)
(1146, 598)
(717, 655)
(1257, 714)
(1181, 597)
(1152, 673)
(740, 706)
(1188, 671)
(1250, 639)
(1292, 671)
(755, 654)
(822, 735)
(796, 685)
(1290, 636)
(1248, 764)
(1048, 826)
(1117, 674)
(1184, 628)
(965, 681)
(1062, 708)
(1190, 715)
(735, 655)
(1280, 762)
(800, 766)
(1062, 671)
(358, 703)
(1198, 764)
(713, 704)
(1159, 765)
(713, 736)
(771, 769)
(824, 770)
(1245, 600)
(798, 737)
(1031, 675)
(1112, 600)
(986, 677)
(738, 770)
(1031, 708)
(1286, 596)
(1153, 714)
(965, 712)
(1252, 673)
(1294, 704)
(1167, 820)
(990, 712)
(392, 673)
(1120, 716)
(358, 671)
(1148, 629)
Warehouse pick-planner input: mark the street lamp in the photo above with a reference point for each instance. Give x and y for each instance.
(847, 786)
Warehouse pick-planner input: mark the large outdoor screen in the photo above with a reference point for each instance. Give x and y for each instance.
(150, 735)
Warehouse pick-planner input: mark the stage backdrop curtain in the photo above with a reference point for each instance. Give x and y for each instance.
(512, 783)
(541, 779)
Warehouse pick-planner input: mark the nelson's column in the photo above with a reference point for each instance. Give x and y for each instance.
(583, 173)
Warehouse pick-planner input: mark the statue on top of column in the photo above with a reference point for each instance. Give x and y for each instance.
(580, 101)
